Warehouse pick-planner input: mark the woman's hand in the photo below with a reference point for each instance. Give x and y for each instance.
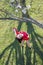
(19, 36)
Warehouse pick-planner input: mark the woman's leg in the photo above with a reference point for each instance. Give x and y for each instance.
(28, 43)
(22, 43)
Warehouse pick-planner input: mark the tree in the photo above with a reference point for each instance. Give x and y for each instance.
(13, 6)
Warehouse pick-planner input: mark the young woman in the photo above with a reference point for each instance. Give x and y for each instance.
(22, 36)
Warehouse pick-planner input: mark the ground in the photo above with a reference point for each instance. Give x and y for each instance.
(11, 53)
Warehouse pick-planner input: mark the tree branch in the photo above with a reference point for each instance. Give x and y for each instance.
(13, 17)
(24, 20)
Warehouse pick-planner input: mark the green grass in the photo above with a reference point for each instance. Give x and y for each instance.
(10, 51)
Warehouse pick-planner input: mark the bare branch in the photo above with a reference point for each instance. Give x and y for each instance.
(24, 20)
(13, 17)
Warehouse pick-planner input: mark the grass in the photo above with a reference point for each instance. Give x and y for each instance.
(10, 51)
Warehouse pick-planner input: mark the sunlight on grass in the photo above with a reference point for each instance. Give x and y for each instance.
(11, 53)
